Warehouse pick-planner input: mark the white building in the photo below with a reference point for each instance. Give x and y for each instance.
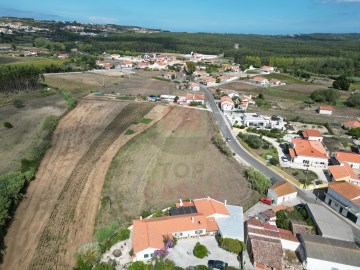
(309, 153)
(312, 135)
(194, 86)
(320, 253)
(325, 110)
(344, 197)
(281, 192)
(353, 159)
(260, 81)
(226, 104)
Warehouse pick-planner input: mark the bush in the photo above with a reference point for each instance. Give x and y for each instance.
(89, 253)
(257, 180)
(231, 245)
(106, 232)
(201, 267)
(124, 234)
(342, 83)
(200, 251)
(274, 160)
(221, 145)
(8, 125)
(104, 266)
(253, 141)
(18, 103)
(140, 265)
(353, 100)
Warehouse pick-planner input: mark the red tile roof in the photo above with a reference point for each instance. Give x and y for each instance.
(282, 188)
(210, 207)
(259, 79)
(309, 148)
(341, 171)
(347, 190)
(227, 100)
(352, 124)
(267, 252)
(311, 133)
(195, 97)
(347, 156)
(325, 108)
(184, 204)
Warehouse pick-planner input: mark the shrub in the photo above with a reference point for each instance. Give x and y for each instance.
(231, 245)
(106, 232)
(221, 145)
(253, 141)
(18, 103)
(89, 253)
(201, 267)
(124, 234)
(129, 132)
(140, 265)
(200, 251)
(257, 180)
(8, 125)
(104, 266)
(274, 160)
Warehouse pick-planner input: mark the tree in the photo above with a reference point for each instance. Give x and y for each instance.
(325, 95)
(191, 67)
(200, 251)
(173, 76)
(341, 83)
(176, 99)
(13, 46)
(253, 141)
(353, 100)
(90, 253)
(282, 221)
(8, 125)
(139, 265)
(231, 245)
(260, 96)
(355, 132)
(257, 180)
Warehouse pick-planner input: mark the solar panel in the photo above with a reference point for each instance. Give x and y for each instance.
(183, 210)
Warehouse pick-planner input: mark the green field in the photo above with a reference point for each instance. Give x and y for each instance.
(36, 63)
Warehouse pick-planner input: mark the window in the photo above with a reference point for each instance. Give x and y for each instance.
(151, 255)
(146, 256)
(199, 232)
(336, 205)
(178, 234)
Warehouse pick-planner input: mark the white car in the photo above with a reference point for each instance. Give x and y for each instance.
(284, 159)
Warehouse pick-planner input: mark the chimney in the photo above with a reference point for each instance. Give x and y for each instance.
(190, 200)
(208, 198)
(225, 202)
(249, 96)
(140, 217)
(181, 203)
(192, 219)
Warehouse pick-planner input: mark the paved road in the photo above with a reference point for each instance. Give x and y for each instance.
(224, 126)
(225, 129)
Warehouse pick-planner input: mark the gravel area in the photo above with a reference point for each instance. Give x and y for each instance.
(183, 256)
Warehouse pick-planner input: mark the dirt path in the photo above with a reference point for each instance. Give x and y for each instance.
(72, 139)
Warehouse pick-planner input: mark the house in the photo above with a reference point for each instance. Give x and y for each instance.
(168, 98)
(352, 158)
(325, 110)
(189, 219)
(63, 56)
(142, 65)
(200, 73)
(115, 55)
(344, 172)
(127, 64)
(351, 124)
(226, 104)
(208, 81)
(195, 98)
(344, 197)
(253, 120)
(281, 192)
(232, 93)
(275, 82)
(194, 86)
(266, 70)
(259, 81)
(235, 68)
(312, 135)
(247, 99)
(170, 75)
(318, 252)
(309, 153)
(182, 100)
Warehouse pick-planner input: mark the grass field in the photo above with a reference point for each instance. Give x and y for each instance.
(25, 61)
(173, 159)
(27, 124)
(68, 185)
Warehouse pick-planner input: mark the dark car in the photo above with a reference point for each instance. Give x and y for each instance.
(217, 264)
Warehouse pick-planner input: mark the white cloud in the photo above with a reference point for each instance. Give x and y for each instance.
(99, 19)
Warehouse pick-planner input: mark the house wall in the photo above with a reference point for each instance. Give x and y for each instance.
(226, 107)
(195, 88)
(286, 244)
(354, 165)
(140, 256)
(325, 112)
(189, 233)
(313, 161)
(313, 138)
(286, 198)
(316, 264)
(339, 203)
(272, 195)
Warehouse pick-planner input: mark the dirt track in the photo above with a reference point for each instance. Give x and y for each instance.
(36, 241)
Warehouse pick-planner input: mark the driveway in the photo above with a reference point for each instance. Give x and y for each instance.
(182, 253)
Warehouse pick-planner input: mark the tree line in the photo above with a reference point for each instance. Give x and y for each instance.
(19, 78)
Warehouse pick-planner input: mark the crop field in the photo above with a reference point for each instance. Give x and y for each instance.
(57, 214)
(27, 124)
(173, 159)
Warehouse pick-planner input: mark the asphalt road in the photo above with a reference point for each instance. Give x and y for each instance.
(236, 147)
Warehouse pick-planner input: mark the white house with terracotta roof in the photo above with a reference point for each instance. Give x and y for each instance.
(312, 135)
(199, 98)
(169, 75)
(259, 81)
(344, 172)
(194, 86)
(276, 82)
(328, 110)
(308, 153)
(232, 93)
(344, 197)
(351, 124)
(247, 99)
(266, 69)
(281, 192)
(206, 217)
(226, 104)
(208, 81)
(352, 158)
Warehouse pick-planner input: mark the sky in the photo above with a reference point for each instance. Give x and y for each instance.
(214, 16)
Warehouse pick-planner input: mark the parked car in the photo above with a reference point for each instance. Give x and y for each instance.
(284, 159)
(266, 200)
(217, 264)
(228, 139)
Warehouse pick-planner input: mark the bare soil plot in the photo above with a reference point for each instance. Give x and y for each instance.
(27, 123)
(173, 159)
(73, 138)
